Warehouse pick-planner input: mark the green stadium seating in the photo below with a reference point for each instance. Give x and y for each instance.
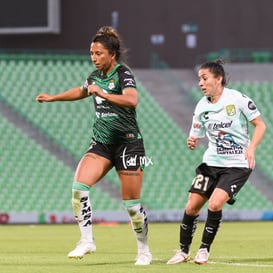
(68, 124)
(262, 94)
(34, 180)
(261, 56)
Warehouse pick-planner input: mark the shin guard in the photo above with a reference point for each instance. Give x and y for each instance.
(139, 222)
(82, 209)
(211, 227)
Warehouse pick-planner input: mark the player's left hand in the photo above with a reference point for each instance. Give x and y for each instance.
(95, 89)
(249, 156)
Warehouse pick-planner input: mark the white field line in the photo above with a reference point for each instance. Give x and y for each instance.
(230, 263)
(242, 264)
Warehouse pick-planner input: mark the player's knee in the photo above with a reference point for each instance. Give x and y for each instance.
(192, 209)
(217, 202)
(215, 205)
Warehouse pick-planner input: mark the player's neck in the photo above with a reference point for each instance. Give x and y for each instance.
(215, 98)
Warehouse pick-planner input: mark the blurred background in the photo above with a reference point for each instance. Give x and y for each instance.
(44, 47)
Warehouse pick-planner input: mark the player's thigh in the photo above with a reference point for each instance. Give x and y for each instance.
(92, 168)
(131, 183)
(195, 202)
(129, 158)
(218, 199)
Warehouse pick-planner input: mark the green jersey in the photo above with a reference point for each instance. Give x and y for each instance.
(113, 124)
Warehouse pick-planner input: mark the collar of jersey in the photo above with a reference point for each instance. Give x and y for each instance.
(112, 71)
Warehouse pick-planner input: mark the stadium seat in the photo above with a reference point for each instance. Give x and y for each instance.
(261, 56)
(166, 181)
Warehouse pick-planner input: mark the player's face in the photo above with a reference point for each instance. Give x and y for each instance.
(101, 57)
(209, 84)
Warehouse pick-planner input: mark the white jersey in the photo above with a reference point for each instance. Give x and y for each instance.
(226, 125)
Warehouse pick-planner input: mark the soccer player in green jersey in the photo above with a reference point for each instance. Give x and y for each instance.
(116, 141)
(223, 115)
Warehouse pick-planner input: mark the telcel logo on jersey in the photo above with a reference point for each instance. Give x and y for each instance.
(221, 125)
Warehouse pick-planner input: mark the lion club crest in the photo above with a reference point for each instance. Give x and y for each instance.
(231, 110)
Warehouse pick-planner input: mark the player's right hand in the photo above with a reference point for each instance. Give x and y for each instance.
(43, 98)
(192, 142)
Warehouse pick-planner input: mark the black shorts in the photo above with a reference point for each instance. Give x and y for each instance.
(124, 156)
(229, 179)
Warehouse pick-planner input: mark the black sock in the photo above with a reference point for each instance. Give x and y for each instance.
(187, 229)
(211, 228)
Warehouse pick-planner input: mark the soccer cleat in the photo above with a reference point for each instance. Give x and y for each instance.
(144, 258)
(202, 256)
(179, 257)
(82, 248)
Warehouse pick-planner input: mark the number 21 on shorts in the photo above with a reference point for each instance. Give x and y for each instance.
(200, 182)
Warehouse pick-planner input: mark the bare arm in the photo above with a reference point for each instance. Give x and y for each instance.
(257, 137)
(129, 97)
(75, 93)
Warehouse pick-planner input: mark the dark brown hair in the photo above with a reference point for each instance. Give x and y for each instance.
(111, 40)
(217, 69)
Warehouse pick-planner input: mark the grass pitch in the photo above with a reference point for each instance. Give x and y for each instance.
(240, 247)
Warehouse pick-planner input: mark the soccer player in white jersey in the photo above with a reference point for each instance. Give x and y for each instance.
(223, 116)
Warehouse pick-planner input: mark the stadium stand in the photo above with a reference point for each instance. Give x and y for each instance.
(238, 55)
(27, 168)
